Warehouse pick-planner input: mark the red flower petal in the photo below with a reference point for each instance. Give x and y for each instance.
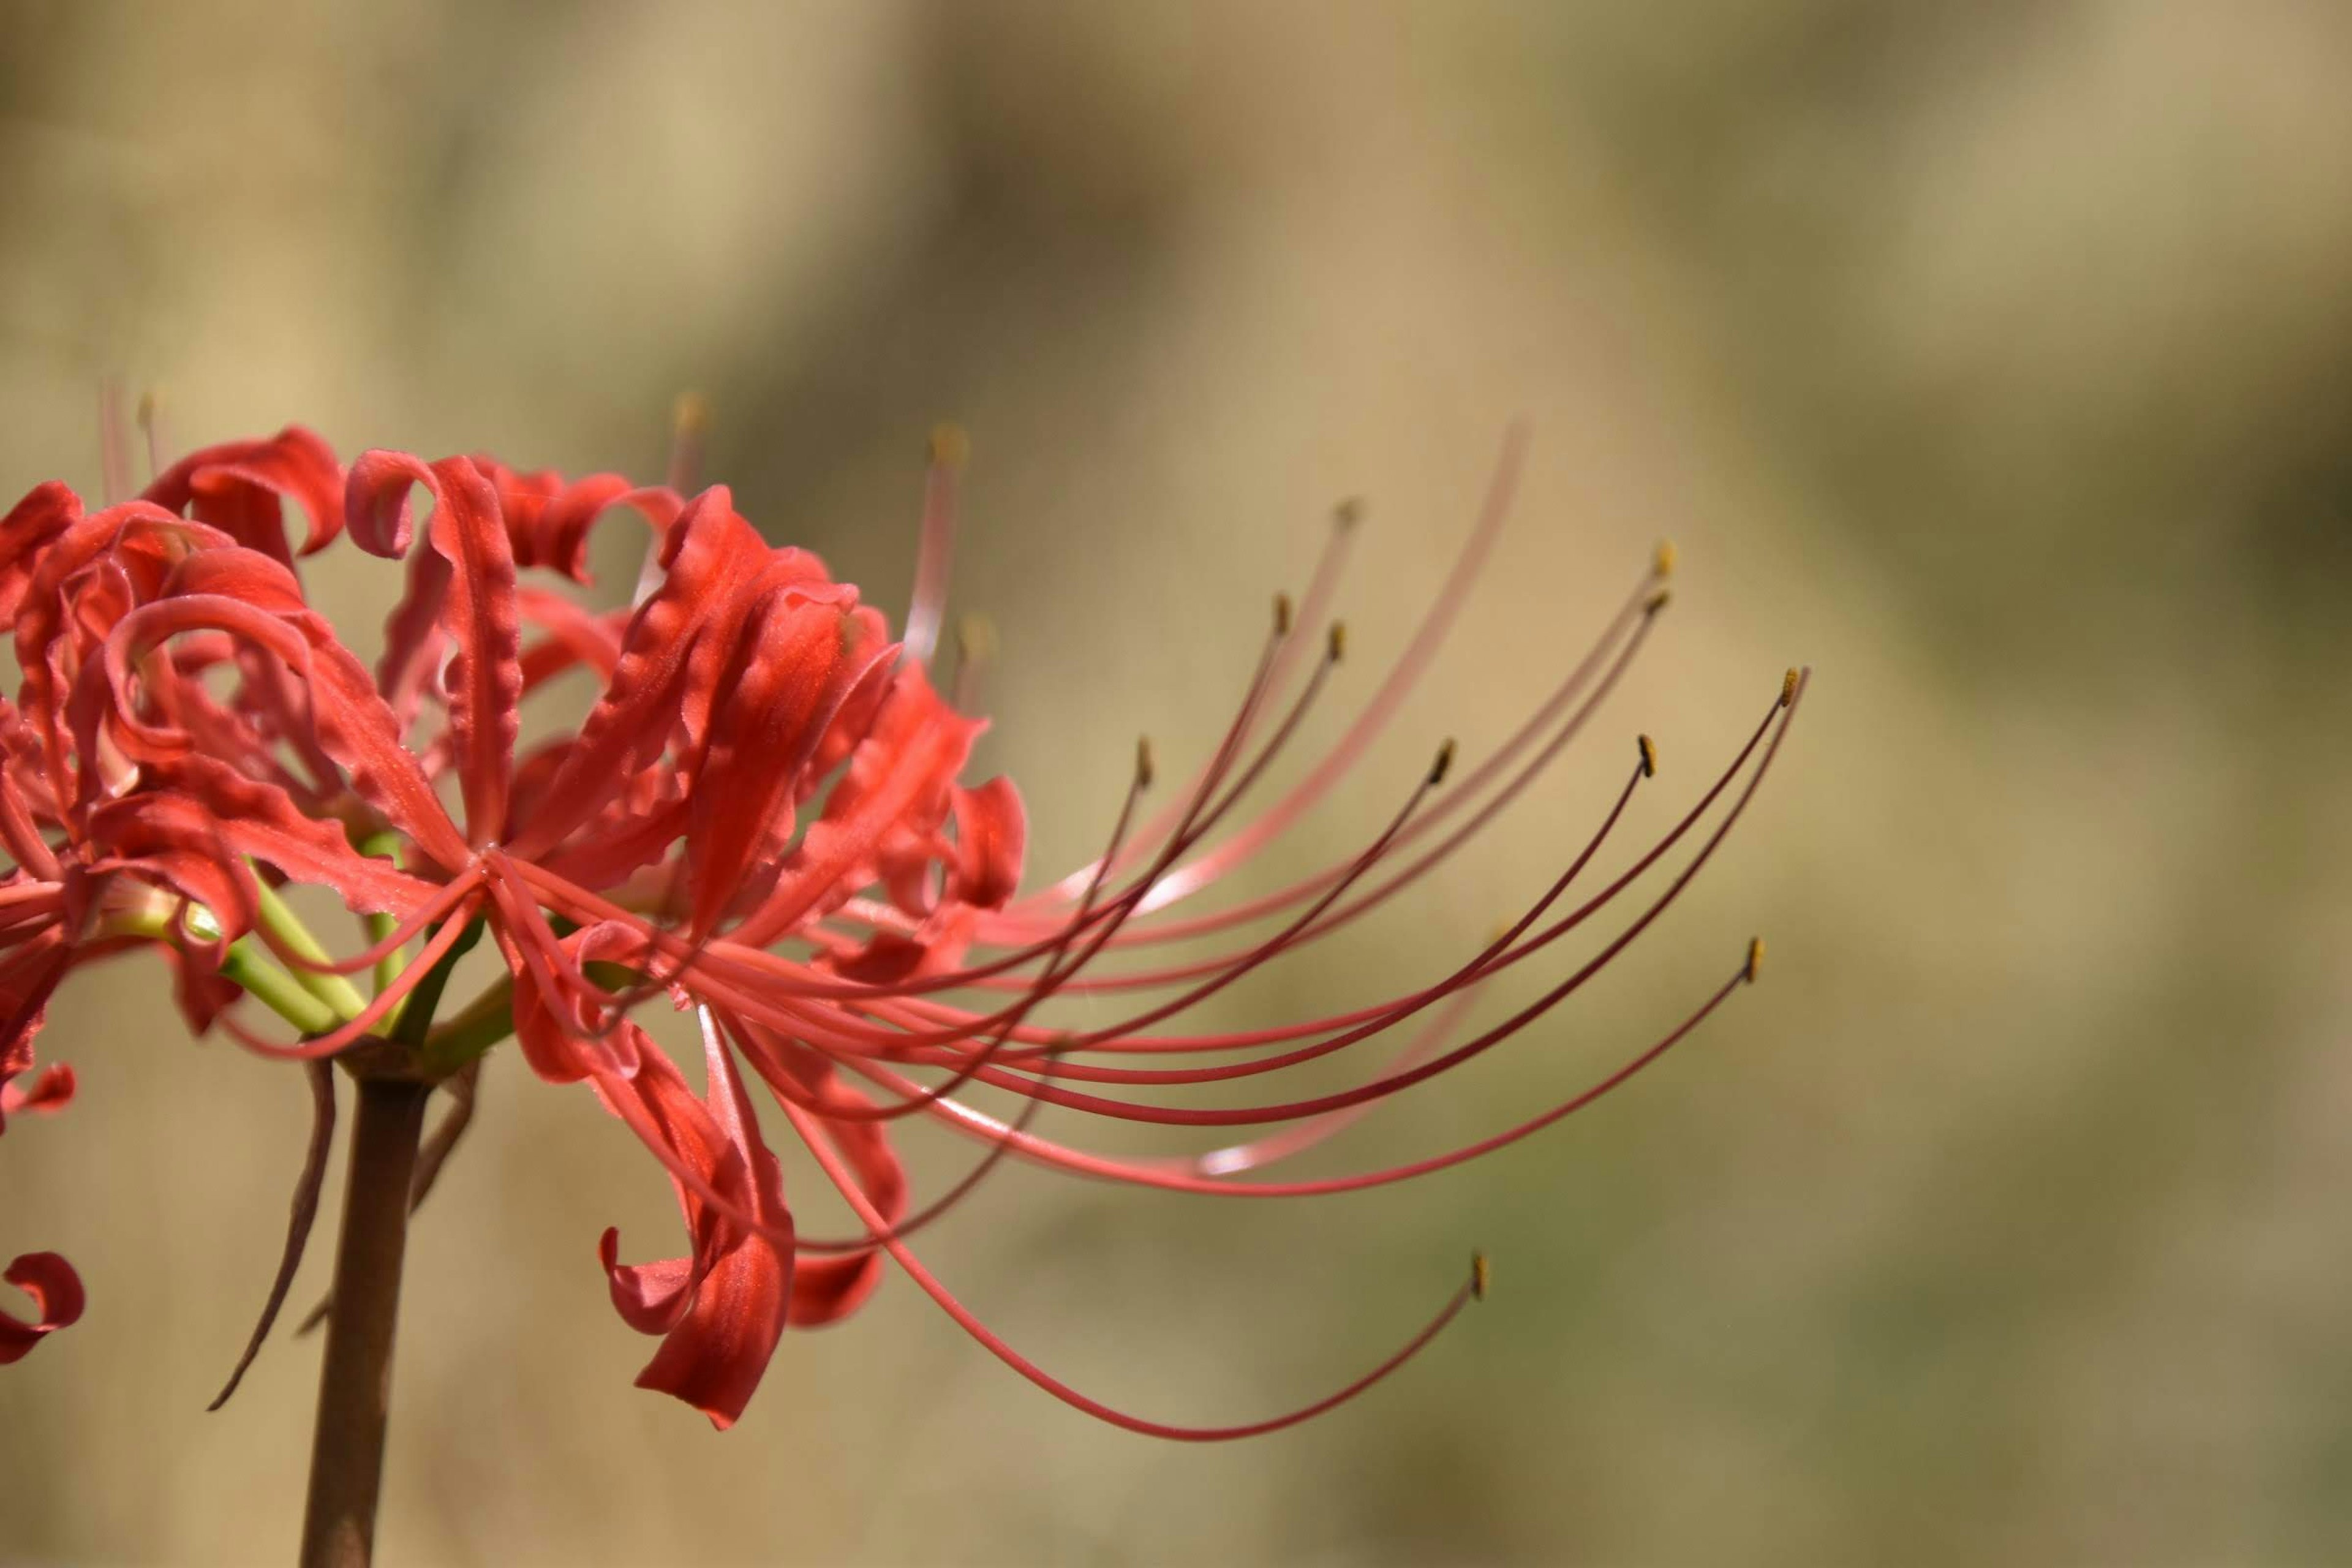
(672, 657)
(240, 487)
(485, 680)
(57, 1294)
(722, 1310)
(45, 513)
(786, 683)
(991, 834)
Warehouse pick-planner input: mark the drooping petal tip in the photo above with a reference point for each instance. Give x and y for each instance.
(58, 1301)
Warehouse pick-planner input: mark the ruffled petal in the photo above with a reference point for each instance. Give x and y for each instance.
(240, 487)
(723, 1309)
(781, 692)
(991, 836)
(45, 513)
(882, 816)
(485, 677)
(52, 1090)
(57, 1294)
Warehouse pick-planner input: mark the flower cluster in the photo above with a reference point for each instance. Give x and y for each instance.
(758, 817)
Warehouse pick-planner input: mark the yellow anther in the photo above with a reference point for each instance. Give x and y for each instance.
(1664, 565)
(950, 446)
(1336, 645)
(975, 637)
(1789, 688)
(1755, 957)
(1648, 757)
(1480, 1276)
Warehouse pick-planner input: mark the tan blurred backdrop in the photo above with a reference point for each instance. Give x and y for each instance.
(1995, 359)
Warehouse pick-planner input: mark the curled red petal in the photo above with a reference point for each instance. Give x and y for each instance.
(991, 836)
(787, 680)
(672, 657)
(548, 517)
(262, 821)
(28, 977)
(351, 724)
(897, 784)
(720, 1312)
(240, 487)
(827, 1289)
(58, 1300)
(47, 511)
(52, 1091)
(650, 1296)
(485, 677)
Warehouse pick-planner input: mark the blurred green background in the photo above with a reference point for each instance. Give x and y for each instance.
(1997, 360)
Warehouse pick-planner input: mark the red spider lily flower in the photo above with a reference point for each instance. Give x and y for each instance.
(760, 816)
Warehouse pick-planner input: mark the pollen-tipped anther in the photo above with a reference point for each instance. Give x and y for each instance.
(975, 637)
(1755, 958)
(950, 446)
(1480, 1274)
(1143, 762)
(150, 426)
(690, 422)
(1335, 643)
(1656, 602)
(1663, 566)
(1789, 686)
(1282, 615)
(1648, 757)
(1438, 769)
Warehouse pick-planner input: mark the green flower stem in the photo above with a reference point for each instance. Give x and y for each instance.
(483, 1023)
(245, 963)
(387, 847)
(277, 990)
(331, 989)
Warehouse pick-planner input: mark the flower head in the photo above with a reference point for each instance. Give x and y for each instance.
(761, 816)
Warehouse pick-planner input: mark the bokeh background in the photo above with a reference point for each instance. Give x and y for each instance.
(1997, 360)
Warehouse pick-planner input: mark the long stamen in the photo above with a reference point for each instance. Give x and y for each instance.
(1282, 940)
(113, 445)
(1313, 611)
(150, 425)
(1385, 701)
(1238, 1115)
(1255, 909)
(936, 553)
(811, 1134)
(1140, 780)
(1472, 785)
(723, 956)
(995, 1155)
(1493, 960)
(1199, 818)
(1363, 1023)
(1186, 1175)
(1378, 1018)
